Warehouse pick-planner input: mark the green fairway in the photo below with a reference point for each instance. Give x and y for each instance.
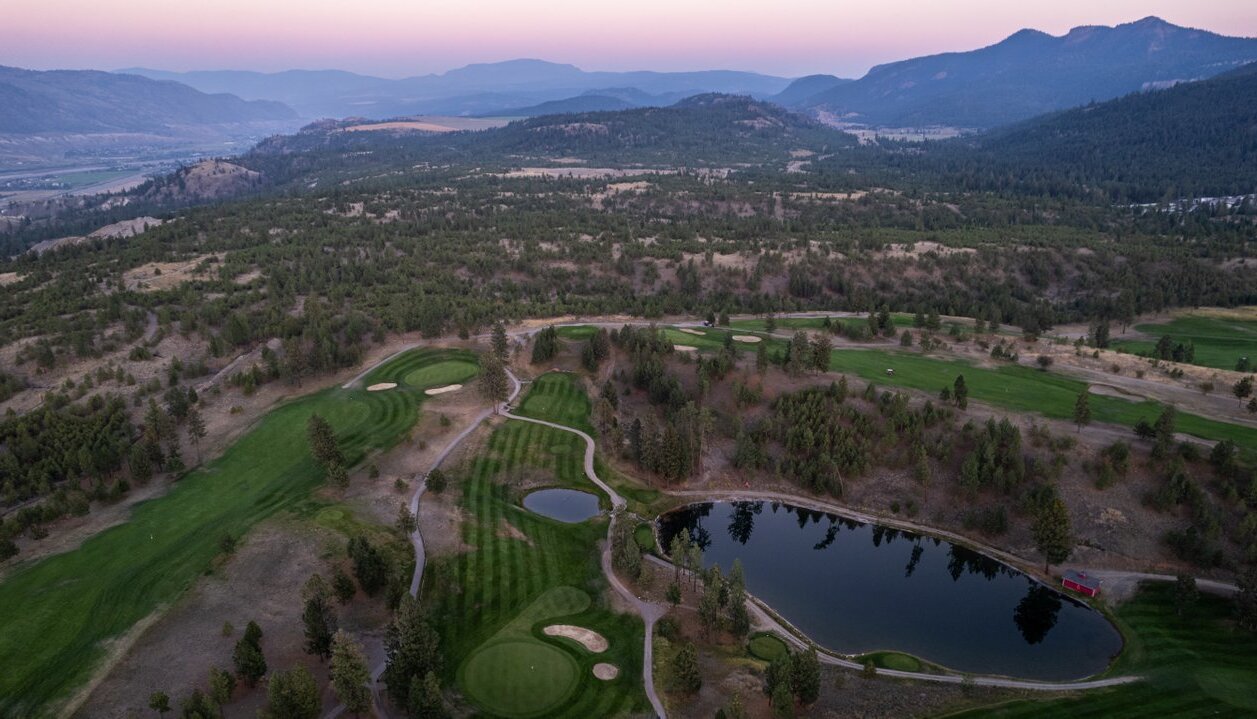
(57, 613)
(767, 646)
(502, 591)
(558, 397)
(1219, 342)
(1021, 388)
(1196, 665)
(576, 332)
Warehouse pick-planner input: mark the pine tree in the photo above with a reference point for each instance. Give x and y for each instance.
(323, 442)
(1052, 532)
(685, 671)
(805, 676)
(1082, 409)
(413, 649)
(761, 358)
(292, 695)
(350, 675)
(426, 701)
(195, 428)
(317, 617)
(222, 684)
(960, 392)
(247, 656)
(159, 702)
(495, 386)
(501, 349)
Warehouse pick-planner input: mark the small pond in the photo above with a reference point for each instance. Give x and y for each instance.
(565, 505)
(856, 587)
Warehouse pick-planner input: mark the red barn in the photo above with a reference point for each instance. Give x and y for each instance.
(1081, 583)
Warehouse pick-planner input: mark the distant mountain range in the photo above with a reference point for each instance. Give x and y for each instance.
(479, 89)
(84, 101)
(1031, 73)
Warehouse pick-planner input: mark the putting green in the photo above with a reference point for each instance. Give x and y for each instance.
(767, 647)
(441, 374)
(515, 674)
(520, 678)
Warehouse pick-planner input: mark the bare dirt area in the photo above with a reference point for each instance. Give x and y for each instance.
(585, 173)
(432, 123)
(127, 228)
(9, 278)
(156, 276)
(261, 582)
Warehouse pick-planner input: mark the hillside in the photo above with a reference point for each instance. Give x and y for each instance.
(78, 101)
(1032, 73)
(805, 88)
(1193, 140)
(580, 103)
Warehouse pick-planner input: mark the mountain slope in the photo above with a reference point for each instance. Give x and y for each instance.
(1195, 139)
(580, 103)
(805, 88)
(480, 88)
(1032, 73)
(78, 101)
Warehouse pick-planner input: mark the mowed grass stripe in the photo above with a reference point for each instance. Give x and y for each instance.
(57, 613)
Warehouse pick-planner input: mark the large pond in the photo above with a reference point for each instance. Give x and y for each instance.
(856, 587)
(565, 505)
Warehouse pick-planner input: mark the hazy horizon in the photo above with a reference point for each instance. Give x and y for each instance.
(390, 38)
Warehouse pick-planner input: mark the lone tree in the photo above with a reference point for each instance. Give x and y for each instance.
(685, 670)
(222, 684)
(1051, 532)
(501, 349)
(960, 392)
(350, 675)
(318, 618)
(1243, 388)
(413, 649)
(1082, 409)
(805, 676)
(494, 384)
(159, 702)
(247, 655)
(194, 425)
(323, 443)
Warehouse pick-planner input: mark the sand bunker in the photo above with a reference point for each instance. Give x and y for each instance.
(443, 390)
(382, 386)
(684, 348)
(606, 672)
(689, 331)
(748, 338)
(591, 640)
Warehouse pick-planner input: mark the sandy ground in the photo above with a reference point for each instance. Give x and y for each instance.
(749, 339)
(433, 123)
(684, 348)
(8, 278)
(585, 173)
(381, 386)
(163, 275)
(443, 390)
(588, 638)
(606, 672)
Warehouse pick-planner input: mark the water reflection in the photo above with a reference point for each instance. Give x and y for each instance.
(858, 587)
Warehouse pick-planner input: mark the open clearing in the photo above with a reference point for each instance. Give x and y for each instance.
(60, 613)
(492, 602)
(588, 638)
(1195, 665)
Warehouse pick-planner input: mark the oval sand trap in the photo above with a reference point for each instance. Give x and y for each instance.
(606, 672)
(748, 338)
(443, 390)
(684, 348)
(382, 386)
(591, 640)
(689, 331)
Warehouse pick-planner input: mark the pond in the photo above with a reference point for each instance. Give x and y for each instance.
(565, 505)
(855, 587)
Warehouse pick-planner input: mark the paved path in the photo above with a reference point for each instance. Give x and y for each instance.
(649, 611)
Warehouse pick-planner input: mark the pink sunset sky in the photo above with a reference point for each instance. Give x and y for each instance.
(396, 38)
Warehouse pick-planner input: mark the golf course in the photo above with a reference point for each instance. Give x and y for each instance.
(61, 613)
(524, 572)
(1219, 342)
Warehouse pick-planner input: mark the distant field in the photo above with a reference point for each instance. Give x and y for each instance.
(1219, 341)
(57, 613)
(1196, 665)
(525, 571)
(431, 123)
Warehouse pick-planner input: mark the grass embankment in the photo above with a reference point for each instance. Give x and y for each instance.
(58, 613)
(1220, 342)
(524, 572)
(1195, 665)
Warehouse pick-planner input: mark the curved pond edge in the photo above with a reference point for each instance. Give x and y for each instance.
(598, 501)
(800, 640)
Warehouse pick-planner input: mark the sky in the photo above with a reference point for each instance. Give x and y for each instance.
(398, 38)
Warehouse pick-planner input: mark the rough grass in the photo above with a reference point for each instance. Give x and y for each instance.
(558, 397)
(516, 558)
(1196, 665)
(58, 614)
(1219, 341)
